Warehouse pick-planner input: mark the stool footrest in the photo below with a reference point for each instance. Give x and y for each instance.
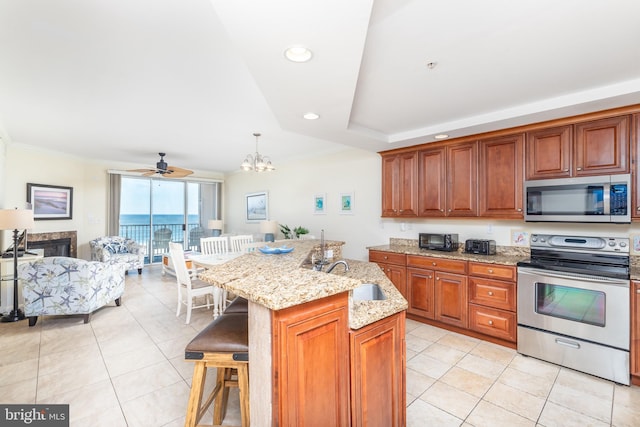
(241, 357)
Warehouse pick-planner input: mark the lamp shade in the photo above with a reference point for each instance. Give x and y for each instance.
(215, 224)
(16, 219)
(269, 227)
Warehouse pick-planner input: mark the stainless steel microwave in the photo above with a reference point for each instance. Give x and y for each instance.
(586, 199)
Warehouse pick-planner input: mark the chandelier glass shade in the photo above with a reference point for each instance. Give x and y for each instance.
(257, 162)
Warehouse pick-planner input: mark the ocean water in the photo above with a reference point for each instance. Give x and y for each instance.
(137, 226)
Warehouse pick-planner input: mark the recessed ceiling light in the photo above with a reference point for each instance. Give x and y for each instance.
(311, 116)
(431, 65)
(441, 136)
(298, 54)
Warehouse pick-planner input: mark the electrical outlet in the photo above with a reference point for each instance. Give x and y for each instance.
(328, 254)
(490, 229)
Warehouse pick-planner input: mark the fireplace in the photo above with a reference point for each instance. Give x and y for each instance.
(59, 243)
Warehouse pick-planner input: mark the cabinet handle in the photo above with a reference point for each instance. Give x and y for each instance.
(638, 208)
(385, 257)
(442, 210)
(490, 322)
(578, 168)
(490, 271)
(519, 209)
(433, 263)
(638, 291)
(430, 277)
(401, 210)
(449, 210)
(437, 278)
(490, 293)
(566, 170)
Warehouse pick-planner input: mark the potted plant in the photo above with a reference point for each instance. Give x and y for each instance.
(293, 234)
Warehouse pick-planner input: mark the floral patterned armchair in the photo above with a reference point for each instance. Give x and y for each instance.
(118, 250)
(63, 286)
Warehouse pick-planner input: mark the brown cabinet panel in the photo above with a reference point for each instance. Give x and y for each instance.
(311, 363)
(400, 184)
(501, 175)
(440, 264)
(492, 293)
(635, 170)
(378, 390)
(492, 271)
(549, 153)
(497, 323)
(420, 292)
(451, 298)
(602, 146)
(462, 175)
(387, 257)
(432, 181)
(398, 276)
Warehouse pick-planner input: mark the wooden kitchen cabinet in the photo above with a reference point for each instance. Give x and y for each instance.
(492, 300)
(598, 147)
(311, 365)
(393, 265)
(635, 333)
(400, 185)
(635, 171)
(501, 177)
(437, 289)
(378, 382)
(447, 183)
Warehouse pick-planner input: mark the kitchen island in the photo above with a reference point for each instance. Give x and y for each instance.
(316, 355)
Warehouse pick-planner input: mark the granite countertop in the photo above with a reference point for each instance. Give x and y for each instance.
(280, 281)
(506, 258)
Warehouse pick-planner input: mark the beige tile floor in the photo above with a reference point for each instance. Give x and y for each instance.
(126, 368)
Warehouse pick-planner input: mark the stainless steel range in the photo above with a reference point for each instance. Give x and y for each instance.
(573, 304)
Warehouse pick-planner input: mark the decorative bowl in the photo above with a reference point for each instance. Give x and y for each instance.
(280, 250)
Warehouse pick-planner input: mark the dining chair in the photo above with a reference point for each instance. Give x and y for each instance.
(237, 241)
(214, 245)
(189, 288)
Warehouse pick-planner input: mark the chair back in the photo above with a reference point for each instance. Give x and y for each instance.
(214, 245)
(248, 248)
(238, 241)
(179, 264)
(195, 234)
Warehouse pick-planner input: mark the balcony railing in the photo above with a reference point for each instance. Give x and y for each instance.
(158, 238)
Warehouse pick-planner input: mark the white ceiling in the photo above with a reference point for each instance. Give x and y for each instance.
(121, 80)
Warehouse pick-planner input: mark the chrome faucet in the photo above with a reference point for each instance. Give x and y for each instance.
(335, 264)
(319, 264)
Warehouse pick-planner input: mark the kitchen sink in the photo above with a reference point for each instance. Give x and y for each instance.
(368, 292)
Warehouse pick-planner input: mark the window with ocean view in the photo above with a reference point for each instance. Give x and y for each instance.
(155, 212)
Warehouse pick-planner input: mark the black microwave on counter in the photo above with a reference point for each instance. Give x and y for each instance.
(438, 241)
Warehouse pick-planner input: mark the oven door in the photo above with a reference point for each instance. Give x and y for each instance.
(590, 308)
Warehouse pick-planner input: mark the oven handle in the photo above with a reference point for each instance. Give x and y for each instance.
(571, 344)
(583, 277)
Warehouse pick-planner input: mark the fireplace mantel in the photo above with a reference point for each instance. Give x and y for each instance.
(55, 235)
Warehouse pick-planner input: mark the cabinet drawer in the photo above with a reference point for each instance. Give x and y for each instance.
(493, 271)
(387, 257)
(489, 321)
(492, 293)
(440, 264)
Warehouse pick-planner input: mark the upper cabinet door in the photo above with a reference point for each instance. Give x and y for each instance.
(432, 178)
(549, 153)
(501, 175)
(602, 147)
(400, 184)
(462, 185)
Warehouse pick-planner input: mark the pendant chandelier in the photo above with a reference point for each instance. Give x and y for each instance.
(257, 162)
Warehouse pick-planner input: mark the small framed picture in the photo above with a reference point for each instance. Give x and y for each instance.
(320, 204)
(346, 203)
(256, 206)
(50, 201)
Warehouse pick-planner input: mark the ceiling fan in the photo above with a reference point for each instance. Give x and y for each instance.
(164, 170)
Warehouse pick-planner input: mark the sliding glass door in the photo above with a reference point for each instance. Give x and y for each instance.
(155, 212)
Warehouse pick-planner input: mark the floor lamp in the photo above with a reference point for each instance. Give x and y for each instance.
(16, 220)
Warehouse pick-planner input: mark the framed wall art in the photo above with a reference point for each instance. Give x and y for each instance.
(50, 201)
(256, 206)
(320, 204)
(346, 203)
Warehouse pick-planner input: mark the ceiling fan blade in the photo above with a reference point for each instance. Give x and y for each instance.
(176, 172)
(141, 170)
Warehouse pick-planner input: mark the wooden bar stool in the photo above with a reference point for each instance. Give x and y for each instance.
(223, 344)
(238, 305)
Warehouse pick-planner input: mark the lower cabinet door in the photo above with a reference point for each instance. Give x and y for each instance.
(490, 321)
(420, 292)
(378, 390)
(451, 298)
